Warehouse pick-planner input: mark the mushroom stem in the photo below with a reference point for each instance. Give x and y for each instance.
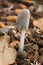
(22, 39)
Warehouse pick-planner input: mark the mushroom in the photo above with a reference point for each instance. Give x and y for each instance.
(23, 24)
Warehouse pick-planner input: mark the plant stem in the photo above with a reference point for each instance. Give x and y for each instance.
(22, 39)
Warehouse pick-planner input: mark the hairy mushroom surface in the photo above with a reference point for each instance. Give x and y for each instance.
(23, 24)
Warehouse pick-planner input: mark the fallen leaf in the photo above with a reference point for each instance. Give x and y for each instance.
(11, 18)
(7, 54)
(22, 6)
(4, 39)
(2, 25)
(17, 11)
(14, 43)
(39, 23)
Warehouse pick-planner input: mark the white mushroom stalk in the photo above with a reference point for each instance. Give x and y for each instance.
(22, 39)
(23, 23)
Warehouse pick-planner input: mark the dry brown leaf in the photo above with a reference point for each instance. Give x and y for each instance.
(2, 25)
(31, 54)
(26, 0)
(39, 23)
(7, 54)
(17, 11)
(22, 6)
(14, 43)
(11, 18)
(4, 39)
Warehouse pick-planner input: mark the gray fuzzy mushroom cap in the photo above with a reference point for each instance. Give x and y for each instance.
(23, 19)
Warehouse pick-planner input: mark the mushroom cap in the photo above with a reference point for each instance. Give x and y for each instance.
(23, 19)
